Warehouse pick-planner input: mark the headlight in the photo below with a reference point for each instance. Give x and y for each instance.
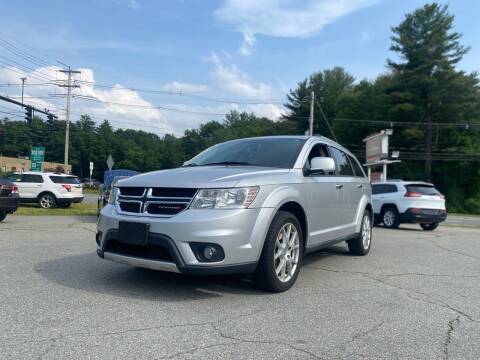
(235, 198)
(112, 197)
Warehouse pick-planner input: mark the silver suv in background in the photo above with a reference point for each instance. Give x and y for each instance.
(252, 205)
(397, 201)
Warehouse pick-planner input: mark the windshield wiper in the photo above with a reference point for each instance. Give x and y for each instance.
(228, 163)
(190, 164)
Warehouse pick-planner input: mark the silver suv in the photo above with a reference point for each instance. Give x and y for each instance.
(252, 205)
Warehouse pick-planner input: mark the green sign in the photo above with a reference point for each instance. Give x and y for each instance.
(37, 156)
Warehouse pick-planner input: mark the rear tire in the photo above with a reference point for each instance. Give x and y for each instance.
(3, 215)
(429, 227)
(47, 201)
(390, 217)
(362, 243)
(282, 253)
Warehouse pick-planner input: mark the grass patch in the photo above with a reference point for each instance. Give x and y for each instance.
(91, 191)
(85, 209)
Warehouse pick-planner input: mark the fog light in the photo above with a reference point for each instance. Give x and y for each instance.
(207, 252)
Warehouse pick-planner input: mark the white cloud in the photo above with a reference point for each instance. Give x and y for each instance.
(231, 79)
(176, 86)
(248, 43)
(286, 18)
(133, 4)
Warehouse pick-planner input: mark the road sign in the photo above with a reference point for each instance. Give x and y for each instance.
(110, 162)
(91, 170)
(37, 156)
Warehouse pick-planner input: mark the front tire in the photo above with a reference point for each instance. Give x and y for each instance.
(429, 227)
(3, 215)
(282, 253)
(362, 243)
(47, 201)
(390, 218)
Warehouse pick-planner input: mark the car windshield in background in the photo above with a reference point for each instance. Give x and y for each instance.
(278, 153)
(72, 180)
(423, 189)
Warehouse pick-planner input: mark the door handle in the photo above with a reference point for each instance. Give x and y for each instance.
(339, 186)
(359, 186)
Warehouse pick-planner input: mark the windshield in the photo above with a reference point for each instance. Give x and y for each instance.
(269, 152)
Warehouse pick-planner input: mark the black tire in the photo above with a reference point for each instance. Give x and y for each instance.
(3, 215)
(430, 226)
(265, 276)
(358, 246)
(390, 217)
(65, 205)
(47, 201)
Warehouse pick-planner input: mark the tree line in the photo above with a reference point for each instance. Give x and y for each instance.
(433, 107)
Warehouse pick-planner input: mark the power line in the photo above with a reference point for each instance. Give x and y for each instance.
(325, 118)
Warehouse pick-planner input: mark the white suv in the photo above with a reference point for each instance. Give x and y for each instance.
(397, 201)
(48, 189)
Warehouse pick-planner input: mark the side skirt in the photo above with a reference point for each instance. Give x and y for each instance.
(329, 243)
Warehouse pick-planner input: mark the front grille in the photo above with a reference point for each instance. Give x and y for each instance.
(155, 252)
(157, 201)
(134, 207)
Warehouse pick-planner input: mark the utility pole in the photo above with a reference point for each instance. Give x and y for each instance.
(69, 87)
(23, 85)
(310, 120)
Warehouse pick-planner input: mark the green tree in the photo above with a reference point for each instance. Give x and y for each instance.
(427, 87)
(328, 86)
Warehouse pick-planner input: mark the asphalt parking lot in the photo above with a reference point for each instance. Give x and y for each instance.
(416, 296)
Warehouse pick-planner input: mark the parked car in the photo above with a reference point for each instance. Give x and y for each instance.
(252, 205)
(48, 189)
(8, 198)
(396, 202)
(90, 183)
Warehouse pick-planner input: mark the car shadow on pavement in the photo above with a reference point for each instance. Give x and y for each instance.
(89, 273)
(317, 256)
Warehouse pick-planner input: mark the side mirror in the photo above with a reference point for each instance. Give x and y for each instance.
(323, 165)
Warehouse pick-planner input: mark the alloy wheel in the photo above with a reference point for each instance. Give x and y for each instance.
(389, 218)
(286, 252)
(46, 202)
(366, 232)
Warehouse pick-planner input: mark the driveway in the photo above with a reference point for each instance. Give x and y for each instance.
(415, 296)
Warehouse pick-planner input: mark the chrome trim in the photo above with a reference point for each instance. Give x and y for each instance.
(131, 196)
(147, 194)
(141, 262)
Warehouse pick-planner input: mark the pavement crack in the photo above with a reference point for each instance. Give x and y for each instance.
(448, 339)
(434, 243)
(271, 342)
(424, 297)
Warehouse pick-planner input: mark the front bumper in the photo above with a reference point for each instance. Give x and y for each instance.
(414, 215)
(9, 204)
(240, 233)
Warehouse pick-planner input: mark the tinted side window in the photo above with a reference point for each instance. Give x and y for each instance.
(383, 189)
(356, 167)
(65, 180)
(14, 178)
(30, 178)
(341, 160)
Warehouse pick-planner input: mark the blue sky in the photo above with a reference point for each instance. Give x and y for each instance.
(245, 50)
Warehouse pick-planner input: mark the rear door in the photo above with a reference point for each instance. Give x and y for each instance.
(346, 186)
(31, 186)
(383, 193)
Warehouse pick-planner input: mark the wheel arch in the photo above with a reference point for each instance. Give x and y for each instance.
(46, 192)
(388, 205)
(296, 209)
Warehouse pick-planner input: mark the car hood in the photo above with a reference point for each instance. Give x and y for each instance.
(207, 177)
